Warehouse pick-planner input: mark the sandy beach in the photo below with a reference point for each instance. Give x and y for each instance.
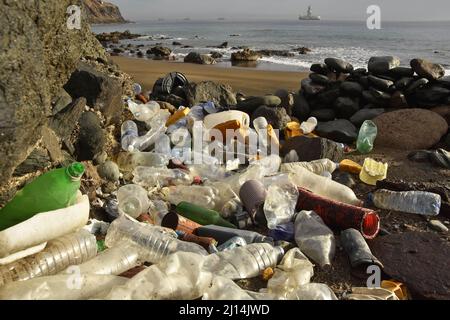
(246, 80)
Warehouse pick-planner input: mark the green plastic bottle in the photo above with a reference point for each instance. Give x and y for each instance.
(366, 138)
(201, 215)
(53, 190)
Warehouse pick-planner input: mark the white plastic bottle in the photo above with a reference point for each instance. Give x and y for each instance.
(203, 196)
(133, 200)
(418, 202)
(129, 135)
(152, 177)
(309, 126)
(127, 161)
(143, 112)
(317, 166)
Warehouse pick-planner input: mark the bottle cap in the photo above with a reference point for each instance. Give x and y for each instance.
(75, 171)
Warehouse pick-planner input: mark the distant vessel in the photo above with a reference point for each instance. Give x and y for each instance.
(309, 15)
(187, 19)
(221, 19)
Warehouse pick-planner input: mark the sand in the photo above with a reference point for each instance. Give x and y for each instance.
(249, 81)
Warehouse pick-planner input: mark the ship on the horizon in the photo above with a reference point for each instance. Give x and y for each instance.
(309, 15)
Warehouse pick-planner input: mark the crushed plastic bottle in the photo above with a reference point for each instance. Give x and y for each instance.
(150, 177)
(133, 200)
(366, 138)
(418, 202)
(316, 166)
(130, 135)
(232, 243)
(223, 234)
(204, 196)
(312, 291)
(279, 207)
(128, 161)
(143, 112)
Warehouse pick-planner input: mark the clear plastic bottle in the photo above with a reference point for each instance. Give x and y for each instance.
(280, 203)
(59, 254)
(114, 261)
(133, 200)
(128, 161)
(232, 243)
(152, 177)
(223, 234)
(366, 138)
(129, 135)
(243, 262)
(316, 166)
(144, 142)
(143, 112)
(151, 242)
(162, 145)
(203, 196)
(418, 202)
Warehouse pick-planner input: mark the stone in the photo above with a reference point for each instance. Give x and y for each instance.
(109, 171)
(447, 141)
(220, 94)
(64, 122)
(382, 65)
(102, 92)
(61, 101)
(324, 115)
(328, 97)
(38, 159)
(401, 72)
(51, 143)
(403, 83)
(103, 12)
(100, 158)
(398, 100)
(160, 52)
(301, 109)
(92, 138)
(365, 114)
(287, 99)
(320, 68)
(195, 57)
(175, 100)
(438, 226)
(339, 65)
(380, 83)
(245, 55)
(279, 53)
(216, 55)
(310, 149)
(410, 129)
(344, 178)
(381, 98)
(176, 43)
(319, 79)
(277, 117)
(432, 94)
(340, 130)
(416, 85)
(444, 81)
(252, 103)
(167, 106)
(352, 89)
(311, 88)
(345, 107)
(426, 69)
(419, 260)
(443, 111)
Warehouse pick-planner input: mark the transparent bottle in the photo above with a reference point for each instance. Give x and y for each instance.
(162, 145)
(72, 249)
(366, 138)
(143, 112)
(128, 161)
(232, 243)
(144, 142)
(133, 200)
(129, 135)
(316, 166)
(418, 202)
(203, 196)
(162, 177)
(243, 262)
(223, 234)
(150, 241)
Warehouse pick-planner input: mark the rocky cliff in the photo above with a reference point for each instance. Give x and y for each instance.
(102, 12)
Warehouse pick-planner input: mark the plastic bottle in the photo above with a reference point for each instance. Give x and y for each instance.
(366, 138)
(130, 135)
(309, 126)
(143, 143)
(261, 126)
(143, 112)
(323, 186)
(53, 190)
(152, 177)
(204, 196)
(177, 116)
(418, 202)
(114, 261)
(213, 120)
(59, 254)
(133, 200)
(232, 243)
(201, 215)
(127, 161)
(223, 234)
(151, 242)
(280, 203)
(162, 145)
(243, 262)
(316, 166)
(205, 242)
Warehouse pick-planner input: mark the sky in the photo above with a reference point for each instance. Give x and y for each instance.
(397, 10)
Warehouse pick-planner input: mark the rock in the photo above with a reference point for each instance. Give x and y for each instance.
(220, 94)
(324, 115)
(175, 100)
(359, 72)
(340, 130)
(303, 50)
(102, 92)
(426, 69)
(287, 98)
(365, 114)
(252, 103)
(277, 117)
(352, 89)
(102, 12)
(380, 98)
(382, 65)
(245, 55)
(345, 107)
(140, 54)
(176, 43)
(438, 226)
(91, 139)
(279, 53)
(328, 97)
(403, 83)
(100, 158)
(401, 72)
(167, 106)
(443, 111)
(444, 81)
(339, 65)
(319, 79)
(216, 55)
(197, 58)
(51, 143)
(379, 83)
(447, 141)
(418, 259)
(61, 101)
(398, 100)
(320, 68)
(309, 149)
(38, 159)
(410, 129)
(416, 85)
(310, 88)
(223, 45)
(65, 121)
(301, 109)
(161, 52)
(433, 94)
(344, 178)
(109, 171)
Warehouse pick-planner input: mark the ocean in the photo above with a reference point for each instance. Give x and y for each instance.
(348, 40)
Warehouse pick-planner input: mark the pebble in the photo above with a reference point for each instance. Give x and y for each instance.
(438, 226)
(109, 171)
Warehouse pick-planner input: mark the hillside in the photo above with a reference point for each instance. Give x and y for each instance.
(99, 11)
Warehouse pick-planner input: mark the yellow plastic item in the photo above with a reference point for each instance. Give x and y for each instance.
(180, 114)
(229, 125)
(373, 171)
(350, 166)
(267, 274)
(292, 130)
(396, 287)
(273, 136)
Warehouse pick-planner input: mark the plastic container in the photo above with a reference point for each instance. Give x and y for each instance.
(265, 130)
(143, 112)
(283, 232)
(280, 203)
(205, 242)
(366, 138)
(340, 215)
(322, 186)
(202, 215)
(316, 166)
(350, 166)
(163, 145)
(129, 134)
(243, 262)
(60, 253)
(150, 177)
(223, 234)
(418, 202)
(151, 242)
(133, 200)
(128, 161)
(53, 190)
(144, 142)
(213, 120)
(177, 116)
(309, 125)
(232, 243)
(204, 196)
